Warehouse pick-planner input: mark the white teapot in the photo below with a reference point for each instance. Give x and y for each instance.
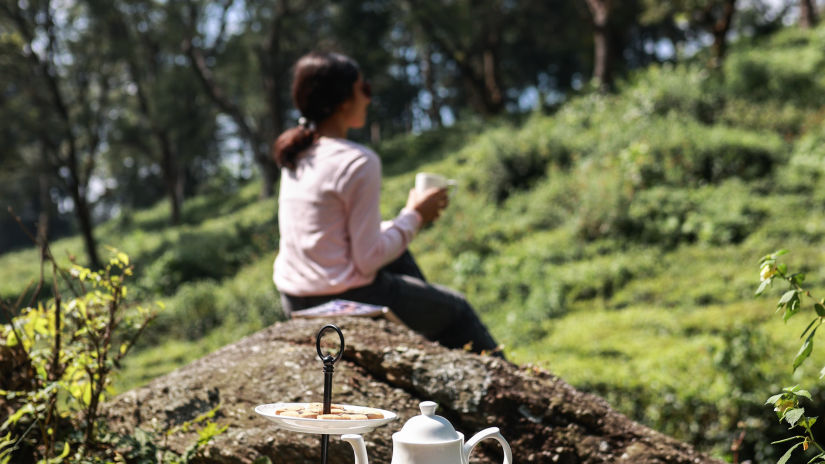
(430, 439)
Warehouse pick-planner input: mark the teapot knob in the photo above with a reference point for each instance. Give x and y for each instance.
(428, 407)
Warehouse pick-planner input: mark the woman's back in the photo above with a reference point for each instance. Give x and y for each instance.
(330, 222)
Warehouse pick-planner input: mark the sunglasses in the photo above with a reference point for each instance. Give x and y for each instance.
(366, 88)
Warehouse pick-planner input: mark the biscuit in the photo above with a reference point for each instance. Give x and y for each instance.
(333, 417)
(337, 412)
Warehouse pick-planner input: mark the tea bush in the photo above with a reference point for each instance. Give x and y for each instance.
(784, 118)
(502, 162)
(659, 90)
(406, 153)
(714, 215)
(247, 301)
(785, 74)
(683, 152)
(208, 253)
(806, 167)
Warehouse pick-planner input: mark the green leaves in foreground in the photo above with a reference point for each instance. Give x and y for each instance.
(787, 407)
(787, 404)
(770, 269)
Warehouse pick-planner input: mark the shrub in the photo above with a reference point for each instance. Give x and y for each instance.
(714, 215)
(206, 254)
(683, 152)
(406, 152)
(505, 163)
(246, 302)
(604, 196)
(663, 89)
(806, 167)
(68, 350)
(783, 118)
(781, 74)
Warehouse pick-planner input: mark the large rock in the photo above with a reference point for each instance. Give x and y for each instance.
(389, 367)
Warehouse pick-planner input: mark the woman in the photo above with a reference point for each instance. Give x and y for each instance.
(333, 244)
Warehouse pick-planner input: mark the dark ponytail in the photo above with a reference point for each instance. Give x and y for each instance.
(291, 143)
(320, 83)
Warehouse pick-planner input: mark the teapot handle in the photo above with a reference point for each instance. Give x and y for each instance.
(492, 432)
(358, 447)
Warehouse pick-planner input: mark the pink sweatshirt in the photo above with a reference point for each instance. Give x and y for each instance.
(332, 237)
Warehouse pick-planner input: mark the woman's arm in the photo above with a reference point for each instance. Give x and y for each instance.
(370, 246)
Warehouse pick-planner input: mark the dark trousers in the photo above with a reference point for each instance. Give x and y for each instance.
(437, 312)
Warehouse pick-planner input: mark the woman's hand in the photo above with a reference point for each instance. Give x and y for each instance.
(428, 203)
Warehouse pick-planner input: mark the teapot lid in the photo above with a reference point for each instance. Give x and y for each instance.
(427, 427)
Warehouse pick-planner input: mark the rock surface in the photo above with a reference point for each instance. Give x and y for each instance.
(389, 367)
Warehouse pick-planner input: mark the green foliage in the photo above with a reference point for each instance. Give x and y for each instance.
(786, 72)
(207, 254)
(806, 167)
(611, 241)
(70, 350)
(150, 447)
(505, 163)
(784, 118)
(714, 215)
(686, 89)
(404, 153)
(787, 404)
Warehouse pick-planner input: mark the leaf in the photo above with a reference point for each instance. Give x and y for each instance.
(787, 454)
(786, 297)
(774, 399)
(809, 422)
(779, 253)
(66, 450)
(762, 287)
(796, 437)
(123, 257)
(804, 351)
(820, 309)
(803, 393)
(26, 409)
(792, 415)
(791, 308)
(809, 327)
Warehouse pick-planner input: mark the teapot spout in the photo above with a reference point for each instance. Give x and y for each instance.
(358, 447)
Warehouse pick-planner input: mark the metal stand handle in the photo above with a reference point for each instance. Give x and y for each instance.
(329, 362)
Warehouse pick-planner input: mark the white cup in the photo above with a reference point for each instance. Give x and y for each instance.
(427, 180)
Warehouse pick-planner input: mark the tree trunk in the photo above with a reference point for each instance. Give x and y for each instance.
(720, 30)
(434, 111)
(77, 182)
(170, 171)
(269, 176)
(602, 72)
(270, 64)
(807, 14)
(494, 99)
(601, 58)
(478, 69)
(84, 219)
(172, 178)
(43, 216)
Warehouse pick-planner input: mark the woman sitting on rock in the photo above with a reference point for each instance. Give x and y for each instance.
(333, 244)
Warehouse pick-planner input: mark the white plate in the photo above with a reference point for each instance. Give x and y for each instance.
(323, 426)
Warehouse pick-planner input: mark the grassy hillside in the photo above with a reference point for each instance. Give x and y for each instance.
(614, 242)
